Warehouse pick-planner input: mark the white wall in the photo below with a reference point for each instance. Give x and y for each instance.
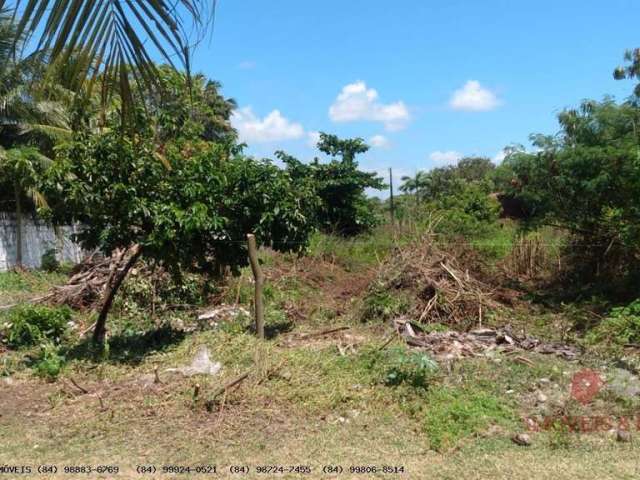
(37, 238)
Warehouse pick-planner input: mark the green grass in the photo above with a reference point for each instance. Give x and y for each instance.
(18, 285)
(338, 398)
(452, 414)
(352, 253)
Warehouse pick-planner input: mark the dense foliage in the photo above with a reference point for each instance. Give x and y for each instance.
(340, 186)
(190, 210)
(450, 180)
(29, 325)
(586, 179)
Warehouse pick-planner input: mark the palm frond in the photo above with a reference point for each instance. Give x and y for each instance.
(110, 39)
(37, 197)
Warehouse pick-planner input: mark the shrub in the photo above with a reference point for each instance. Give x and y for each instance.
(384, 305)
(409, 368)
(30, 324)
(585, 180)
(620, 327)
(469, 212)
(49, 363)
(339, 186)
(49, 262)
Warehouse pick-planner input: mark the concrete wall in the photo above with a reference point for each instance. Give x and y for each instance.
(37, 238)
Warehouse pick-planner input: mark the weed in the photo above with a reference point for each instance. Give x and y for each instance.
(29, 324)
(451, 413)
(559, 436)
(409, 368)
(49, 362)
(49, 262)
(621, 326)
(384, 305)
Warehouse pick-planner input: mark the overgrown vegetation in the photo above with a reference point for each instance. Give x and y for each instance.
(158, 179)
(29, 325)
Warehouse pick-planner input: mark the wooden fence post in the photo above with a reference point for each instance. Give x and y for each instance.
(259, 281)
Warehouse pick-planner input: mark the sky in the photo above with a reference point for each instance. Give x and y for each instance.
(424, 82)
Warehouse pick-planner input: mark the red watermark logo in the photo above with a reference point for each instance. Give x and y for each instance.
(585, 385)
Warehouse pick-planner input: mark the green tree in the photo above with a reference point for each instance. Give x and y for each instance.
(586, 179)
(346, 149)
(414, 185)
(190, 107)
(190, 212)
(110, 40)
(631, 70)
(340, 186)
(22, 168)
(30, 126)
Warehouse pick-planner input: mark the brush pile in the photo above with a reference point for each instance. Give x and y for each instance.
(453, 345)
(439, 288)
(89, 279)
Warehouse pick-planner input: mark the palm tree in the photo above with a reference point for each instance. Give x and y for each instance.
(110, 39)
(29, 127)
(414, 185)
(22, 167)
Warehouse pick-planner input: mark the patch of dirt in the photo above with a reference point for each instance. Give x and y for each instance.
(19, 398)
(333, 287)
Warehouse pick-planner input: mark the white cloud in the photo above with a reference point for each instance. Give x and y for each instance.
(379, 141)
(449, 157)
(358, 102)
(314, 138)
(500, 156)
(474, 97)
(247, 65)
(274, 127)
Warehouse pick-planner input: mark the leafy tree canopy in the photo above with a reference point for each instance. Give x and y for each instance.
(339, 185)
(587, 180)
(191, 211)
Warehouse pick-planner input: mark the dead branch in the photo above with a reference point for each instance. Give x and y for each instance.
(209, 404)
(75, 384)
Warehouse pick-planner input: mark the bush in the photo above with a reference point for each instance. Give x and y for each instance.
(621, 326)
(409, 368)
(29, 325)
(586, 180)
(384, 305)
(339, 186)
(469, 212)
(49, 363)
(49, 262)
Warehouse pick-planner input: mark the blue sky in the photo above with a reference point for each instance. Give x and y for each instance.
(426, 80)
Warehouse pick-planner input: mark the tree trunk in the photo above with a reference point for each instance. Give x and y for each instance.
(18, 226)
(100, 330)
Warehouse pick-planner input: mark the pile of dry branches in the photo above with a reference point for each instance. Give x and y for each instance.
(86, 286)
(453, 345)
(440, 283)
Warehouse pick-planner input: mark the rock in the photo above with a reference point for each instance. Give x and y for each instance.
(541, 397)
(521, 439)
(544, 381)
(8, 381)
(623, 436)
(201, 365)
